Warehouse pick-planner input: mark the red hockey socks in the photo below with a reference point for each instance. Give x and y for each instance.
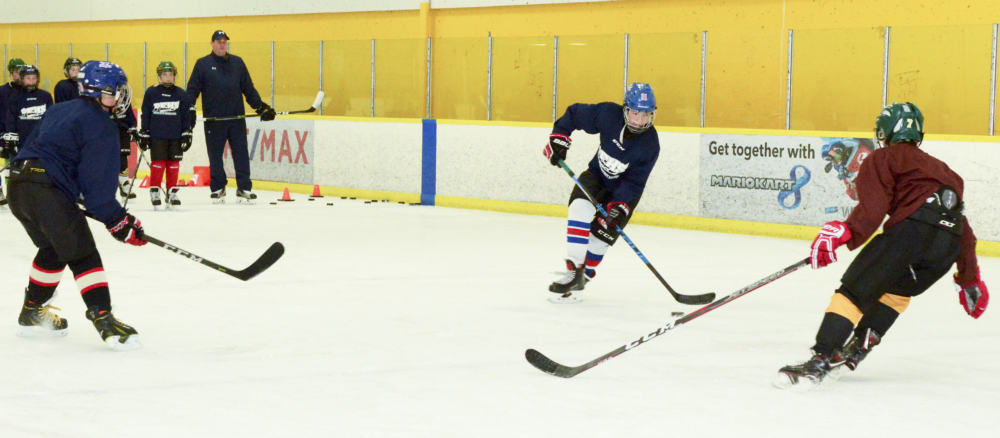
(156, 173)
(173, 168)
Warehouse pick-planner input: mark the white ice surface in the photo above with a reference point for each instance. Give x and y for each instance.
(392, 320)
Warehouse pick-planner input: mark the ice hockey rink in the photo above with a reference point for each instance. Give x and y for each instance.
(388, 320)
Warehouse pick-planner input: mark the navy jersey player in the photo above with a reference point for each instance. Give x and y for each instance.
(74, 151)
(616, 177)
(25, 109)
(166, 128)
(67, 89)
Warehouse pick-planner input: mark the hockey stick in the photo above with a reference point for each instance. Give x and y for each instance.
(142, 154)
(260, 265)
(681, 298)
(538, 360)
(313, 108)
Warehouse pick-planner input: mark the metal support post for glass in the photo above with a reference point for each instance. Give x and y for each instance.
(555, 76)
(704, 58)
(429, 43)
(36, 55)
(373, 78)
(5, 63)
(993, 80)
(185, 64)
(272, 74)
(625, 82)
(489, 80)
(145, 62)
(788, 92)
(321, 73)
(885, 70)
(70, 50)
(107, 54)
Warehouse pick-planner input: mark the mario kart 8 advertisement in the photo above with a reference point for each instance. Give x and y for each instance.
(780, 179)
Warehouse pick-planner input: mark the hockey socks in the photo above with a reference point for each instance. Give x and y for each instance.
(173, 169)
(46, 271)
(93, 283)
(581, 213)
(595, 254)
(156, 169)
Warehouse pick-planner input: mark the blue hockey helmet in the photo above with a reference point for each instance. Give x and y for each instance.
(102, 77)
(639, 107)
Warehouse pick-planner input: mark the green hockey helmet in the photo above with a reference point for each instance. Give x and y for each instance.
(899, 122)
(163, 67)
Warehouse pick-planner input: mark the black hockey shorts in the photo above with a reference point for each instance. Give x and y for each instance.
(905, 260)
(124, 141)
(165, 150)
(51, 219)
(603, 196)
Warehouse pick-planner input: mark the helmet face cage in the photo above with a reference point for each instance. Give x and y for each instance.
(123, 95)
(638, 121)
(164, 67)
(70, 62)
(29, 70)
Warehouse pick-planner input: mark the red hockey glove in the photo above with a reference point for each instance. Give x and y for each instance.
(617, 213)
(832, 235)
(557, 147)
(128, 230)
(974, 297)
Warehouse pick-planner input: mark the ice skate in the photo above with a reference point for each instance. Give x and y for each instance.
(853, 353)
(36, 320)
(173, 202)
(125, 190)
(118, 335)
(246, 197)
(3, 200)
(805, 376)
(219, 196)
(568, 287)
(154, 197)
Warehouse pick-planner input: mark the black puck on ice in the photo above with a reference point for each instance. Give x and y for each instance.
(368, 202)
(274, 203)
(676, 314)
(354, 198)
(343, 197)
(329, 203)
(401, 202)
(311, 199)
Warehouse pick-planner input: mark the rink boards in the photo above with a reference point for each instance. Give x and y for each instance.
(761, 182)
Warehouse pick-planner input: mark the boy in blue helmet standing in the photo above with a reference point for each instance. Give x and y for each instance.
(72, 156)
(616, 177)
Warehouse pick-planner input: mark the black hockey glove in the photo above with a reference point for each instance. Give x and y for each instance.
(128, 230)
(266, 112)
(133, 135)
(10, 143)
(143, 140)
(186, 140)
(194, 117)
(617, 214)
(557, 148)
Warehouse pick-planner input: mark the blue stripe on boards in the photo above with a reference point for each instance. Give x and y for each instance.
(575, 239)
(578, 224)
(428, 183)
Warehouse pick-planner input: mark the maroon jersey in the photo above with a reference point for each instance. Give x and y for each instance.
(896, 181)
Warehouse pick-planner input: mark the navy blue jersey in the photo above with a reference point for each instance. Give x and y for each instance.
(77, 144)
(625, 160)
(66, 89)
(25, 110)
(223, 80)
(6, 92)
(165, 112)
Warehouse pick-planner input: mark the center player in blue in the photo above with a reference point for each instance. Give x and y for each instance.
(616, 177)
(74, 151)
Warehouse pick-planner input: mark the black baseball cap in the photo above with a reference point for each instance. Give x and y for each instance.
(218, 35)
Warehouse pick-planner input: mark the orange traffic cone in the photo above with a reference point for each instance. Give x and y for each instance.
(181, 182)
(316, 193)
(286, 197)
(145, 183)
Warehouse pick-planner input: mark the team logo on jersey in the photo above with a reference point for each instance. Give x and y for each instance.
(166, 108)
(610, 167)
(32, 112)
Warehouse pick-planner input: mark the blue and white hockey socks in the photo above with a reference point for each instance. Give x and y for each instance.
(595, 254)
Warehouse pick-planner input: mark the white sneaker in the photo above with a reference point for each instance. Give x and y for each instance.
(154, 197)
(219, 196)
(173, 202)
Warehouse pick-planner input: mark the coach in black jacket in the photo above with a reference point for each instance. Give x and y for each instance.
(223, 79)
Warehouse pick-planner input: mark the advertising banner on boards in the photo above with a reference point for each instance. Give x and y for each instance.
(280, 150)
(779, 179)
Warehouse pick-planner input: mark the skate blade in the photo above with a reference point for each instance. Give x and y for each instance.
(564, 299)
(247, 201)
(39, 332)
(792, 383)
(131, 343)
(172, 207)
(219, 201)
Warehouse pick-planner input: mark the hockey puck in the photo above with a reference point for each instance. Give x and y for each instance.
(343, 197)
(274, 203)
(676, 314)
(401, 202)
(311, 199)
(329, 203)
(354, 198)
(368, 202)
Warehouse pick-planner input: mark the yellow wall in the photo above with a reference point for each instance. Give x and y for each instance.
(746, 61)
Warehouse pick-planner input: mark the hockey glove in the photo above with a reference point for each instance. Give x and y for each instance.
(128, 230)
(194, 117)
(557, 148)
(266, 112)
(133, 135)
(824, 248)
(617, 213)
(974, 297)
(186, 140)
(10, 143)
(143, 141)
